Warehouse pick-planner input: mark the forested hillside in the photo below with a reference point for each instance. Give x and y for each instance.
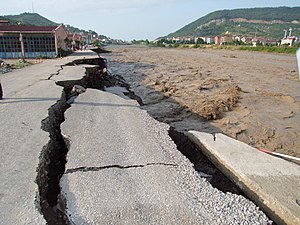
(35, 19)
(265, 22)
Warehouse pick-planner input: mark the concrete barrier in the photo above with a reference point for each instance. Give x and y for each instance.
(272, 183)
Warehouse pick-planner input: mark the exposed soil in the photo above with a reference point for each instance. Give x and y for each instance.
(251, 96)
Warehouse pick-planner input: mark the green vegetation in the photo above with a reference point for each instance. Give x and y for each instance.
(63, 53)
(20, 64)
(34, 19)
(230, 46)
(140, 42)
(29, 19)
(219, 22)
(275, 49)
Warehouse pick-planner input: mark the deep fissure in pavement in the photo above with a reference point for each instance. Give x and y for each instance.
(52, 159)
(202, 164)
(53, 156)
(95, 169)
(52, 165)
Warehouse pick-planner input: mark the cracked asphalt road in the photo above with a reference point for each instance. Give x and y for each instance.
(27, 96)
(104, 130)
(122, 166)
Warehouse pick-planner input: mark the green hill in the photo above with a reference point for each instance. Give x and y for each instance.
(265, 22)
(34, 19)
(29, 19)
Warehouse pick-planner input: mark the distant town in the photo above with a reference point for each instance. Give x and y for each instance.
(227, 39)
(19, 41)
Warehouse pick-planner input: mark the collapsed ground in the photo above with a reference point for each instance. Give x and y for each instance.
(253, 97)
(53, 156)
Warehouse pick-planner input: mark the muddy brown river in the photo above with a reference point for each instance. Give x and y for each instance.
(251, 96)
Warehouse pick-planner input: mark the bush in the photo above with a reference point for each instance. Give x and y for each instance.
(63, 53)
(20, 64)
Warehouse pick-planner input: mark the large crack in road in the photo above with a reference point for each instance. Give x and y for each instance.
(89, 169)
(53, 156)
(52, 159)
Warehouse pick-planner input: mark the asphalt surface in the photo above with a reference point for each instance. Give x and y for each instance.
(27, 96)
(122, 167)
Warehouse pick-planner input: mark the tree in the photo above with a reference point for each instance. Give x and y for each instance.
(68, 42)
(200, 41)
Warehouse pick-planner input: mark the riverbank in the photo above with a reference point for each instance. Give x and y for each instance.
(251, 96)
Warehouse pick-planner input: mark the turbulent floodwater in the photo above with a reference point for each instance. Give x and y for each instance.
(253, 97)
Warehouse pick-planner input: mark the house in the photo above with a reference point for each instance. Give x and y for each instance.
(226, 39)
(217, 40)
(246, 40)
(76, 40)
(259, 41)
(237, 37)
(31, 41)
(289, 40)
(208, 39)
(4, 22)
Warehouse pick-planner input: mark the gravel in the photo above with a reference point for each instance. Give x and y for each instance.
(225, 208)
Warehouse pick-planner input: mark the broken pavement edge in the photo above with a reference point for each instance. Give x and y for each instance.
(258, 178)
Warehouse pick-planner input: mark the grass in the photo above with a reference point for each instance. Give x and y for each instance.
(20, 64)
(275, 49)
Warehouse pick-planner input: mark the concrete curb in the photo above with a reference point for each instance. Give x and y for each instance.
(272, 183)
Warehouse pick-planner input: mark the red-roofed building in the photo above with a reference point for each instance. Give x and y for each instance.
(4, 22)
(31, 41)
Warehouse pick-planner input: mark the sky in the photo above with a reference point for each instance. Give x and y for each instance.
(131, 19)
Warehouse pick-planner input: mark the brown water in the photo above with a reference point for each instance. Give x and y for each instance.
(251, 96)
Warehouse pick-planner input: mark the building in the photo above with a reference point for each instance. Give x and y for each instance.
(217, 40)
(31, 41)
(226, 39)
(289, 40)
(4, 22)
(263, 41)
(247, 40)
(207, 39)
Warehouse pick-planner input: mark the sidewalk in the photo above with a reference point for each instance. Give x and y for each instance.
(271, 182)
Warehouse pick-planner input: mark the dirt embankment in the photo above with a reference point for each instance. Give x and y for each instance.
(253, 97)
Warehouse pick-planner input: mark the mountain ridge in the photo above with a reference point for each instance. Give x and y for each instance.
(267, 22)
(35, 19)
(26, 18)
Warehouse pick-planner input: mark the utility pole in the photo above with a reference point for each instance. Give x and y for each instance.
(32, 7)
(298, 59)
(22, 47)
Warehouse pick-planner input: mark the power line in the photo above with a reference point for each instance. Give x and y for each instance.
(32, 8)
